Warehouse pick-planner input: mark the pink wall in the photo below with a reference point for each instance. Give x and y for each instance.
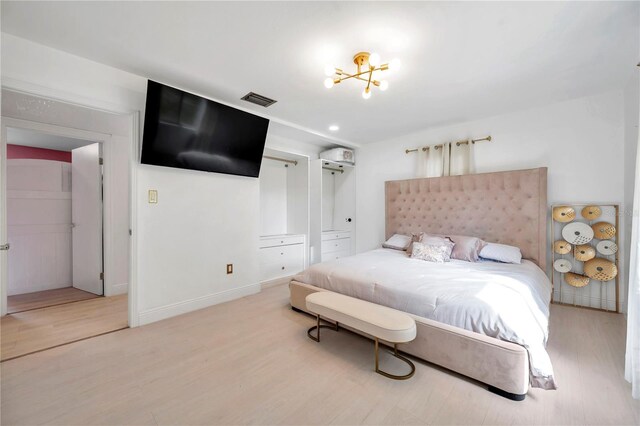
(19, 151)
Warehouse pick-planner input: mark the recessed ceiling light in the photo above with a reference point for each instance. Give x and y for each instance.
(334, 128)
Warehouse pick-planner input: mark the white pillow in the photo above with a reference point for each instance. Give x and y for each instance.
(501, 253)
(398, 242)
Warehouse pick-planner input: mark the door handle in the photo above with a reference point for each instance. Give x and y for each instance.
(5, 246)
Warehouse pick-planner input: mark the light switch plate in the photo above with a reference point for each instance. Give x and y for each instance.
(153, 196)
(229, 268)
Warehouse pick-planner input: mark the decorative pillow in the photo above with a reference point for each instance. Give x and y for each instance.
(439, 253)
(466, 248)
(414, 239)
(398, 242)
(501, 253)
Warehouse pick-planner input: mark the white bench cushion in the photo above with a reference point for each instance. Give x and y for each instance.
(378, 321)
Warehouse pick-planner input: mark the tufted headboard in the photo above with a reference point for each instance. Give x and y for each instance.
(501, 207)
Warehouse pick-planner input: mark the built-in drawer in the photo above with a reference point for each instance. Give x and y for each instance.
(326, 257)
(276, 262)
(330, 246)
(335, 235)
(279, 240)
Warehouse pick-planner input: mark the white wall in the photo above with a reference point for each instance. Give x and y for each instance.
(202, 221)
(328, 199)
(39, 225)
(631, 112)
(581, 142)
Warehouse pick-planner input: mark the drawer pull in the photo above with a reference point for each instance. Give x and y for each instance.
(283, 268)
(281, 242)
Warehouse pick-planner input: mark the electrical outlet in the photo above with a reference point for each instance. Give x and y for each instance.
(153, 196)
(229, 268)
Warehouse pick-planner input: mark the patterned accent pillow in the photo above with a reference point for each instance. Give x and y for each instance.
(439, 252)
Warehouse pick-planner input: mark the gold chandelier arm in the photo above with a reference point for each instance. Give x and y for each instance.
(356, 75)
(370, 77)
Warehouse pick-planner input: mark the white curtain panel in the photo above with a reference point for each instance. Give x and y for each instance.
(448, 159)
(632, 356)
(460, 159)
(431, 162)
(423, 160)
(436, 165)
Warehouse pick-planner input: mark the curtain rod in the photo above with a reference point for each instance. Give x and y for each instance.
(284, 160)
(333, 170)
(436, 147)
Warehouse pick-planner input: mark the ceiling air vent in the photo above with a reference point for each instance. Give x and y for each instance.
(254, 98)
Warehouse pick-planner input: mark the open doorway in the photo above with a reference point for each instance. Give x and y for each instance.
(58, 258)
(54, 220)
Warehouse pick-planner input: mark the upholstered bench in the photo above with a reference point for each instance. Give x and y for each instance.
(380, 322)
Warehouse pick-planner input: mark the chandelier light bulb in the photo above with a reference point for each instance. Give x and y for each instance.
(328, 83)
(329, 70)
(384, 85)
(366, 94)
(394, 64)
(374, 59)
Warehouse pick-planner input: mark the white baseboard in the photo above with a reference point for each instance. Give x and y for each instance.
(117, 289)
(36, 288)
(179, 308)
(276, 282)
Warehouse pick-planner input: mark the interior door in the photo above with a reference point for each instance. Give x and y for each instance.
(86, 216)
(4, 247)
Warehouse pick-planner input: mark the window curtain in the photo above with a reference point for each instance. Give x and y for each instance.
(433, 162)
(460, 159)
(632, 356)
(448, 159)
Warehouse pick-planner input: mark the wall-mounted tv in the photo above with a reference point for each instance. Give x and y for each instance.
(190, 132)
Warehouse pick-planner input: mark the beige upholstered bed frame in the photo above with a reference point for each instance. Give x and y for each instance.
(505, 207)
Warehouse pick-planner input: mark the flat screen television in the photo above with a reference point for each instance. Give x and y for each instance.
(190, 132)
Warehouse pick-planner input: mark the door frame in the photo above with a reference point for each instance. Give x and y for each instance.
(105, 140)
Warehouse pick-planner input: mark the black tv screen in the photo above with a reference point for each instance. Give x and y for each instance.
(190, 132)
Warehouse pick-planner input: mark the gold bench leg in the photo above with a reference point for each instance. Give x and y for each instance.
(334, 327)
(400, 357)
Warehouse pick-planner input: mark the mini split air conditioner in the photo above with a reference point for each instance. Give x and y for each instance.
(340, 155)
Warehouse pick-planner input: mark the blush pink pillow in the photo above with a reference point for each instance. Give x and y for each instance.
(466, 248)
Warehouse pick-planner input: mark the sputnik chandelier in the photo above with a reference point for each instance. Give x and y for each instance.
(366, 64)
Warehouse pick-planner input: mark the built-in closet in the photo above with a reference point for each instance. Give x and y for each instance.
(284, 214)
(333, 202)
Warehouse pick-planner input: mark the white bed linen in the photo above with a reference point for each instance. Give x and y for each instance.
(506, 301)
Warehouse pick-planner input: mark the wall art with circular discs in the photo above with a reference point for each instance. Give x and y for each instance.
(585, 255)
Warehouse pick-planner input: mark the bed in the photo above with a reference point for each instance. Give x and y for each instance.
(464, 311)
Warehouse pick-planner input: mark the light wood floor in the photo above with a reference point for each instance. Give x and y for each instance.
(43, 299)
(250, 361)
(35, 330)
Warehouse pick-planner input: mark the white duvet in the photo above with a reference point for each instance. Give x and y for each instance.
(506, 301)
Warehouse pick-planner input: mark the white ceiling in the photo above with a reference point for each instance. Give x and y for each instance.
(35, 139)
(461, 61)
